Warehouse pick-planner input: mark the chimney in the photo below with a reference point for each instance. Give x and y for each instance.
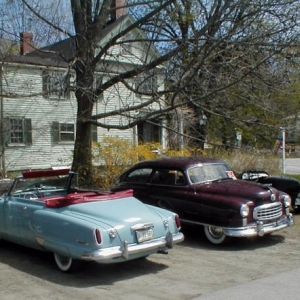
(26, 44)
(119, 8)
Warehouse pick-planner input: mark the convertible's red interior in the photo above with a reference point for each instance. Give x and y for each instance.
(76, 198)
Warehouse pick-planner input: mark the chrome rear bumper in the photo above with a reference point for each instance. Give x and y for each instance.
(128, 251)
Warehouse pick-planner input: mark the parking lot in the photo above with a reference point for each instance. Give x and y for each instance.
(192, 269)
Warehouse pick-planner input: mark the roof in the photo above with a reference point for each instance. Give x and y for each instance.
(60, 53)
(182, 162)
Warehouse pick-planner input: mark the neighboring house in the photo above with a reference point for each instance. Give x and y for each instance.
(38, 110)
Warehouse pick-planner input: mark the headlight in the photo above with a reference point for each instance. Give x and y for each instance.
(287, 200)
(244, 211)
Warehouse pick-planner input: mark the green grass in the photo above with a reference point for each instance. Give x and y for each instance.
(293, 176)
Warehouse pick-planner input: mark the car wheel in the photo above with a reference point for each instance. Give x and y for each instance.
(66, 264)
(215, 235)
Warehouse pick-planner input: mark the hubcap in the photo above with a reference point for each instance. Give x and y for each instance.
(216, 232)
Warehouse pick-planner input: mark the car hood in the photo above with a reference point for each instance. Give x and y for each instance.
(282, 183)
(237, 189)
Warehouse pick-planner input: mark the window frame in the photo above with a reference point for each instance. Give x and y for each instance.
(25, 129)
(52, 78)
(58, 133)
(146, 84)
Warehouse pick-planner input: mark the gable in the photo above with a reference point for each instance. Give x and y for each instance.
(138, 50)
(62, 53)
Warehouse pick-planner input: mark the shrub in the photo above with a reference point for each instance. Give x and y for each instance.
(114, 154)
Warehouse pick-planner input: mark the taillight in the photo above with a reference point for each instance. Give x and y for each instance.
(177, 221)
(98, 236)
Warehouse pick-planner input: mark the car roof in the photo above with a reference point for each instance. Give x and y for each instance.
(182, 162)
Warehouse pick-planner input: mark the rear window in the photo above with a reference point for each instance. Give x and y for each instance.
(139, 175)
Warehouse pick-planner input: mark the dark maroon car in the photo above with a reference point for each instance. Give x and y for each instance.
(205, 192)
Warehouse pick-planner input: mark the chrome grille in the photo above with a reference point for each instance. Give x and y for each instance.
(267, 211)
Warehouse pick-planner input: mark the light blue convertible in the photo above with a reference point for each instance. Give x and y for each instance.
(44, 210)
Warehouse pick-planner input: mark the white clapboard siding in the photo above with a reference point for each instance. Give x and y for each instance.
(24, 80)
(42, 112)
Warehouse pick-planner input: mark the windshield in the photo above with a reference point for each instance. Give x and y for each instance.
(210, 172)
(39, 184)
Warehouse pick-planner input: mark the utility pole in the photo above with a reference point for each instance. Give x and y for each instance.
(283, 150)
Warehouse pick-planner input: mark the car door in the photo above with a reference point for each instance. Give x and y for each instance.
(18, 220)
(168, 189)
(10, 219)
(2, 220)
(197, 205)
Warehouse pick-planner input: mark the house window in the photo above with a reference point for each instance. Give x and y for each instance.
(146, 84)
(63, 132)
(17, 131)
(66, 132)
(56, 84)
(148, 133)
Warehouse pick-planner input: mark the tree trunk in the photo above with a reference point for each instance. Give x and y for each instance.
(82, 160)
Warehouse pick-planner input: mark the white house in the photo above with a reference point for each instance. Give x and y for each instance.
(38, 110)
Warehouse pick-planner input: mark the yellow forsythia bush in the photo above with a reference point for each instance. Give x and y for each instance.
(113, 155)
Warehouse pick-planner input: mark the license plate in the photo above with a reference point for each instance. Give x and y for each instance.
(144, 234)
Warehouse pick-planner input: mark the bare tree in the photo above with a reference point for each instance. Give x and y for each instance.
(234, 63)
(16, 17)
(217, 55)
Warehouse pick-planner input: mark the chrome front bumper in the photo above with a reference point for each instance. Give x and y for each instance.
(128, 251)
(260, 229)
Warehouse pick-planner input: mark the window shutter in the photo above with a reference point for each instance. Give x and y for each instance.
(55, 132)
(27, 132)
(94, 133)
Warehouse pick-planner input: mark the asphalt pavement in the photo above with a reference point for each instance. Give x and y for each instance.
(292, 166)
(280, 286)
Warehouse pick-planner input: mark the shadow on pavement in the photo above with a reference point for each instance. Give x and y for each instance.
(42, 265)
